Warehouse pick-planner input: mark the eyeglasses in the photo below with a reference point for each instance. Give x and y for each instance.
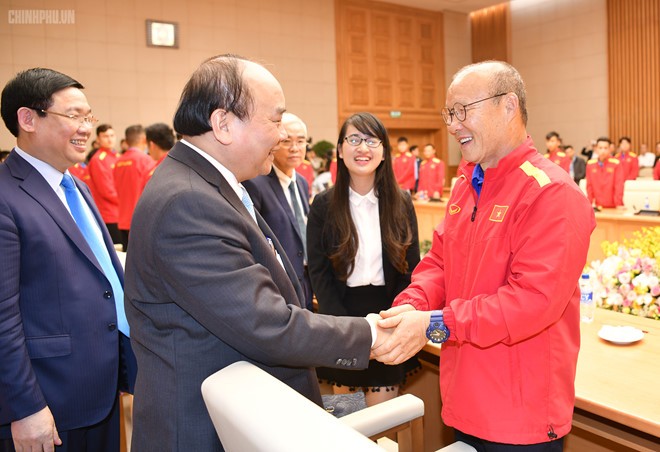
(288, 143)
(356, 140)
(89, 120)
(460, 111)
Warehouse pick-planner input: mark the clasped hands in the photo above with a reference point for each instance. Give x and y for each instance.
(401, 334)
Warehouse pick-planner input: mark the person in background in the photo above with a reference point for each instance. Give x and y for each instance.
(64, 354)
(414, 150)
(324, 180)
(363, 245)
(508, 319)
(555, 154)
(102, 182)
(404, 165)
(281, 197)
(646, 157)
(605, 178)
(129, 173)
(317, 162)
(306, 170)
(431, 175)
(4, 155)
(207, 282)
(628, 159)
(578, 167)
(160, 139)
(589, 152)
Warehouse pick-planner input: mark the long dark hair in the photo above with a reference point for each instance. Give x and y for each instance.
(395, 229)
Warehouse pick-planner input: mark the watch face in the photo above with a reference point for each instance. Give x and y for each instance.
(438, 335)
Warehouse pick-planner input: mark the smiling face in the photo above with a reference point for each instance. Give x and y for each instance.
(361, 160)
(289, 153)
(482, 135)
(61, 142)
(256, 138)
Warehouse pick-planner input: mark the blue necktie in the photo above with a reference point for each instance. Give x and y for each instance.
(75, 202)
(247, 202)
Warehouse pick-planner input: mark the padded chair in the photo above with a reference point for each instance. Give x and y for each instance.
(253, 411)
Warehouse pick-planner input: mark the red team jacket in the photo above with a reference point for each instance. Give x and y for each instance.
(431, 176)
(102, 184)
(404, 170)
(629, 164)
(504, 269)
(129, 174)
(605, 182)
(306, 170)
(81, 171)
(560, 158)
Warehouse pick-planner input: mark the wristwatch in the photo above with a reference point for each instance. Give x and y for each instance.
(437, 332)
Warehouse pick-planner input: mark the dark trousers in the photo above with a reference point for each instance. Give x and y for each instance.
(101, 437)
(482, 445)
(113, 229)
(124, 238)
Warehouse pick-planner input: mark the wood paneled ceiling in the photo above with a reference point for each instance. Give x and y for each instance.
(463, 6)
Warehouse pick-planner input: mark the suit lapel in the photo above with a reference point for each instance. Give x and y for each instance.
(208, 172)
(277, 188)
(36, 186)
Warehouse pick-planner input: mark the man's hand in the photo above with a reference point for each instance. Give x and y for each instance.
(36, 432)
(408, 336)
(396, 310)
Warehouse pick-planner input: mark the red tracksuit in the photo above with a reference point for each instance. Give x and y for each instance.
(560, 158)
(431, 177)
(150, 173)
(306, 170)
(605, 182)
(404, 170)
(81, 171)
(102, 184)
(129, 174)
(504, 269)
(629, 164)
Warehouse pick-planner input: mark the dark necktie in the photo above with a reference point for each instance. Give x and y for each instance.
(302, 228)
(84, 222)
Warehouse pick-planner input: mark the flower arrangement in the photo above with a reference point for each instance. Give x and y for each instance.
(627, 279)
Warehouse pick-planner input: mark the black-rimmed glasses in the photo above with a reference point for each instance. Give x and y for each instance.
(459, 111)
(356, 140)
(89, 120)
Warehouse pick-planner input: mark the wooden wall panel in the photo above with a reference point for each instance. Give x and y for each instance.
(390, 58)
(633, 31)
(491, 36)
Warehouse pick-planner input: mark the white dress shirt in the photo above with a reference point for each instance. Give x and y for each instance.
(368, 269)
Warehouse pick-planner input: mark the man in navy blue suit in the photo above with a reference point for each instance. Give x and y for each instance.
(281, 197)
(60, 366)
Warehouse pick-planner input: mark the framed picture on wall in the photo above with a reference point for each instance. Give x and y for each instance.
(162, 34)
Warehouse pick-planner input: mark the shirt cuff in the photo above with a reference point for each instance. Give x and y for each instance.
(372, 318)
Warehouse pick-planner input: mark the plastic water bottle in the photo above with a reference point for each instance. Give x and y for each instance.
(587, 304)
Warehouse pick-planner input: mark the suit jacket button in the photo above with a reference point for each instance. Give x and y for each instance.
(354, 361)
(338, 362)
(107, 294)
(112, 327)
(300, 253)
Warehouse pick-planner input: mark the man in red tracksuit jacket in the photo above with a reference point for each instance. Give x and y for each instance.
(605, 177)
(128, 174)
(102, 182)
(500, 283)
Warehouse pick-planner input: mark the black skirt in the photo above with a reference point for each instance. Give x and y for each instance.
(360, 301)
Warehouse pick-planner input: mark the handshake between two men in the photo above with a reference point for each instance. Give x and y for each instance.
(401, 333)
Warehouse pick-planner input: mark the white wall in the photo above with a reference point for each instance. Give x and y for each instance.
(560, 49)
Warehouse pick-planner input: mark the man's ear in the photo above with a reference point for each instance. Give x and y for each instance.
(221, 125)
(512, 104)
(26, 119)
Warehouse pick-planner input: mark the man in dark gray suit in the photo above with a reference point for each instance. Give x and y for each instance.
(281, 197)
(207, 283)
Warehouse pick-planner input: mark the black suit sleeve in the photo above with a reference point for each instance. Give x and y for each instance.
(321, 274)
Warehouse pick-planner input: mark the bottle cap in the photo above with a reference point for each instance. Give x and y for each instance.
(585, 276)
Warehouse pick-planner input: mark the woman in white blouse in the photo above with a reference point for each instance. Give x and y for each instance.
(362, 246)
